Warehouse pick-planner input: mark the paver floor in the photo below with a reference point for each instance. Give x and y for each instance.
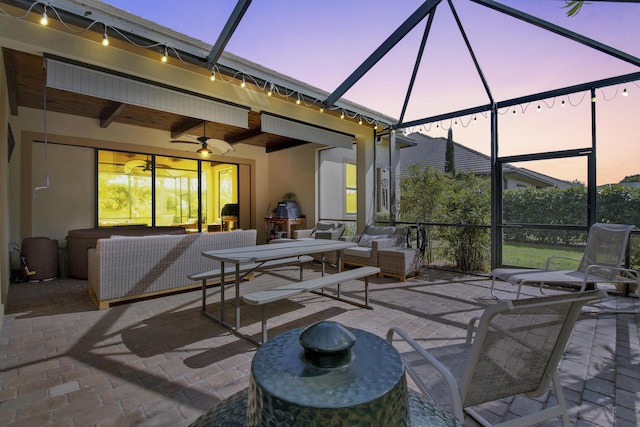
(160, 362)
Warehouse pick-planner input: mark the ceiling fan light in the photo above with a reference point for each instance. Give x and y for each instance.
(204, 151)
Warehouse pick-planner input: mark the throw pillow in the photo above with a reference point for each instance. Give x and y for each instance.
(366, 239)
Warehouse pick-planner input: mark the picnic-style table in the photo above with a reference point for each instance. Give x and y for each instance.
(261, 255)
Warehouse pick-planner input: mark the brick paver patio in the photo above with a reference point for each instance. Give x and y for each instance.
(160, 362)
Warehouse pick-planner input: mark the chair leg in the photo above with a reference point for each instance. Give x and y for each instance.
(493, 281)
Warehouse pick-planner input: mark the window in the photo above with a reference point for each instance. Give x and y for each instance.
(351, 192)
(146, 189)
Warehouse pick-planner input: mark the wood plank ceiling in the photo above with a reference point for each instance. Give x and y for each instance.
(25, 75)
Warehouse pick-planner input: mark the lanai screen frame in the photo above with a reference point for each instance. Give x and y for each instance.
(427, 9)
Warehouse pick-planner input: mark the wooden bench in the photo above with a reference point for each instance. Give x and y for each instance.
(264, 297)
(246, 270)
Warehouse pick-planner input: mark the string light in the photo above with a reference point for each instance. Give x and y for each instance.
(593, 99)
(298, 100)
(539, 107)
(44, 20)
(213, 76)
(624, 92)
(562, 103)
(261, 84)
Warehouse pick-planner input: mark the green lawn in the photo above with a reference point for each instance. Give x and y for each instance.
(535, 256)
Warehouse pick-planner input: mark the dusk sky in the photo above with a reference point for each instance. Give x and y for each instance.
(322, 42)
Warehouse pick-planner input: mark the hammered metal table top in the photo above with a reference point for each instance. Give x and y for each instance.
(232, 412)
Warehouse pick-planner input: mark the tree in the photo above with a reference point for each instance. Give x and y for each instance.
(422, 198)
(631, 178)
(574, 7)
(449, 161)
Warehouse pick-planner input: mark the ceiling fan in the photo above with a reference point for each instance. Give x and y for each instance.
(206, 143)
(139, 165)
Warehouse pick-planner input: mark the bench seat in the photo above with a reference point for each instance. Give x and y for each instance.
(250, 267)
(263, 297)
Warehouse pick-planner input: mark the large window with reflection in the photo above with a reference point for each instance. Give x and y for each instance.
(141, 189)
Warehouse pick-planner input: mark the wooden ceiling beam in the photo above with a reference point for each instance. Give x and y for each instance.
(271, 148)
(12, 83)
(185, 127)
(109, 115)
(252, 133)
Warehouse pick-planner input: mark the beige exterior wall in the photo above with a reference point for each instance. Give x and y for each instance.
(5, 262)
(69, 201)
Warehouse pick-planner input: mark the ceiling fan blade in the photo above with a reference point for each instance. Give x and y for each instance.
(179, 141)
(222, 146)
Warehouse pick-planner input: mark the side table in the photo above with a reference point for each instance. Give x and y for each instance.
(399, 262)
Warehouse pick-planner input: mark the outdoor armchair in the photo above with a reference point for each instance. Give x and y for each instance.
(372, 239)
(515, 350)
(332, 230)
(601, 262)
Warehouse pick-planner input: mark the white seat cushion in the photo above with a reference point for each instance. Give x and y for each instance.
(358, 251)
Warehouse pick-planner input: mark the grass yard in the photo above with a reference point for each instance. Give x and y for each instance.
(535, 256)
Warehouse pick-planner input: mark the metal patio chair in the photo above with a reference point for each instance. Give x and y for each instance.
(515, 350)
(601, 263)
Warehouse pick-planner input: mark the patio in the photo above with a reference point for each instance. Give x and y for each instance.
(160, 362)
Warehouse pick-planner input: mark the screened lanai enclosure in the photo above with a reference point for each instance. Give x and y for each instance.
(498, 126)
(511, 205)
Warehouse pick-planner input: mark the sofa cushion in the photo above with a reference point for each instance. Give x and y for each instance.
(358, 251)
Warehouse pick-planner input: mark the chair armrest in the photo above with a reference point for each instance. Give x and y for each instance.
(548, 263)
(382, 244)
(471, 328)
(628, 275)
(299, 234)
(448, 376)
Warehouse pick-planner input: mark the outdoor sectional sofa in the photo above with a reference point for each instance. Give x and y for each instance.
(128, 267)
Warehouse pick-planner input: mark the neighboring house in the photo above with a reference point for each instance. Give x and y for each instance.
(431, 151)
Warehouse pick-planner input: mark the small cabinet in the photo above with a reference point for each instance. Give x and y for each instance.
(281, 228)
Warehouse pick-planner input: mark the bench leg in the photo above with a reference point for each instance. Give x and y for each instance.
(264, 323)
(366, 291)
(204, 294)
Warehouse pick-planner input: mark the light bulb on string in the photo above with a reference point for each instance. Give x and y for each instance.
(593, 99)
(45, 19)
(562, 103)
(342, 114)
(321, 109)
(360, 121)
(624, 92)
(270, 91)
(213, 76)
(244, 83)
(539, 107)
(165, 56)
(105, 38)
(298, 100)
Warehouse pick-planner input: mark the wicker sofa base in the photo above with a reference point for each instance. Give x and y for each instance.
(128, 268)
(104, 304)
